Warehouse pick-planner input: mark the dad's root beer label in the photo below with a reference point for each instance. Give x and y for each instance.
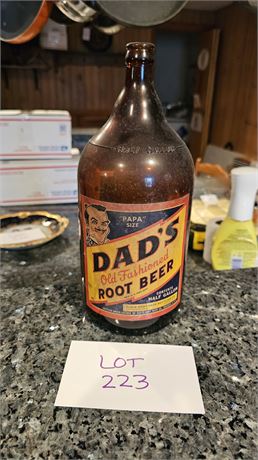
(133, 257)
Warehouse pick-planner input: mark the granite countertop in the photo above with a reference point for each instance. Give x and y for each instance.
(42, 312)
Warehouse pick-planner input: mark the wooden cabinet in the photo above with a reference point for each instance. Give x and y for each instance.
(234, 114)
(203, 92)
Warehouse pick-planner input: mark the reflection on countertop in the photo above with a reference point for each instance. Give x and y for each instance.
(42, 312)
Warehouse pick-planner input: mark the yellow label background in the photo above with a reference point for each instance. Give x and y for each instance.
(198, 240)
(111, 278)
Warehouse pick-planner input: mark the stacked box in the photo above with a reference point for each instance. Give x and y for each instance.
(36, 161)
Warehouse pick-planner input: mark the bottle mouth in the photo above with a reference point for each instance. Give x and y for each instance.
(139, 51)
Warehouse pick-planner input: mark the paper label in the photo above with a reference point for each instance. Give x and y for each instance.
(86, 33)
(129, 376)
(236, 262)
(134, 257)
(198, 240)
(197, 122)
(23, 234)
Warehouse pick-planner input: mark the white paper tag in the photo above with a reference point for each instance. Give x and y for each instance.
(209, 199)
(196, 122)
(129, 376)
(86, 32)
(21, 235)
(196, 101)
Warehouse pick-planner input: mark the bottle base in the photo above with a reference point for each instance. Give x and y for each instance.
(135, 328)
(132, 324)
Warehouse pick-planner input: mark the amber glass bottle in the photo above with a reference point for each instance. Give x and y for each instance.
(135, 186)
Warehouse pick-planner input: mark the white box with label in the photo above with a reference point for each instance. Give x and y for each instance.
(38, 182)
(38, 134)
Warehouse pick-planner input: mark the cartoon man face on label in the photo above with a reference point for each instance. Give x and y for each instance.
(97, 225)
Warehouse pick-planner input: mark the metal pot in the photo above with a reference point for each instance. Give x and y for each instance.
(140, 13)
(22, 21)
(76, 10)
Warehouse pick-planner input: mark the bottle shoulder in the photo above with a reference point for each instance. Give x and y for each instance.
(124, 137)
(170, 155)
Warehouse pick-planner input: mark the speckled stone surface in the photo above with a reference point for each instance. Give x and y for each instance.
(42, 312)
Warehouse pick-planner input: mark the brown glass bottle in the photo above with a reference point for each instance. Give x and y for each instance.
(135, 186)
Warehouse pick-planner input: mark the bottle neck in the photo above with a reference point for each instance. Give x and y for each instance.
(137, 123)
(139, 73)
(138, 102)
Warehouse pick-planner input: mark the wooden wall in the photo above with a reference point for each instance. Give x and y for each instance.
(234, 116)
(88, 91)
(85, 91)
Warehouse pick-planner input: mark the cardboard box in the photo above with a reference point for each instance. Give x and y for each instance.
(38, 182)
(39, 134)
